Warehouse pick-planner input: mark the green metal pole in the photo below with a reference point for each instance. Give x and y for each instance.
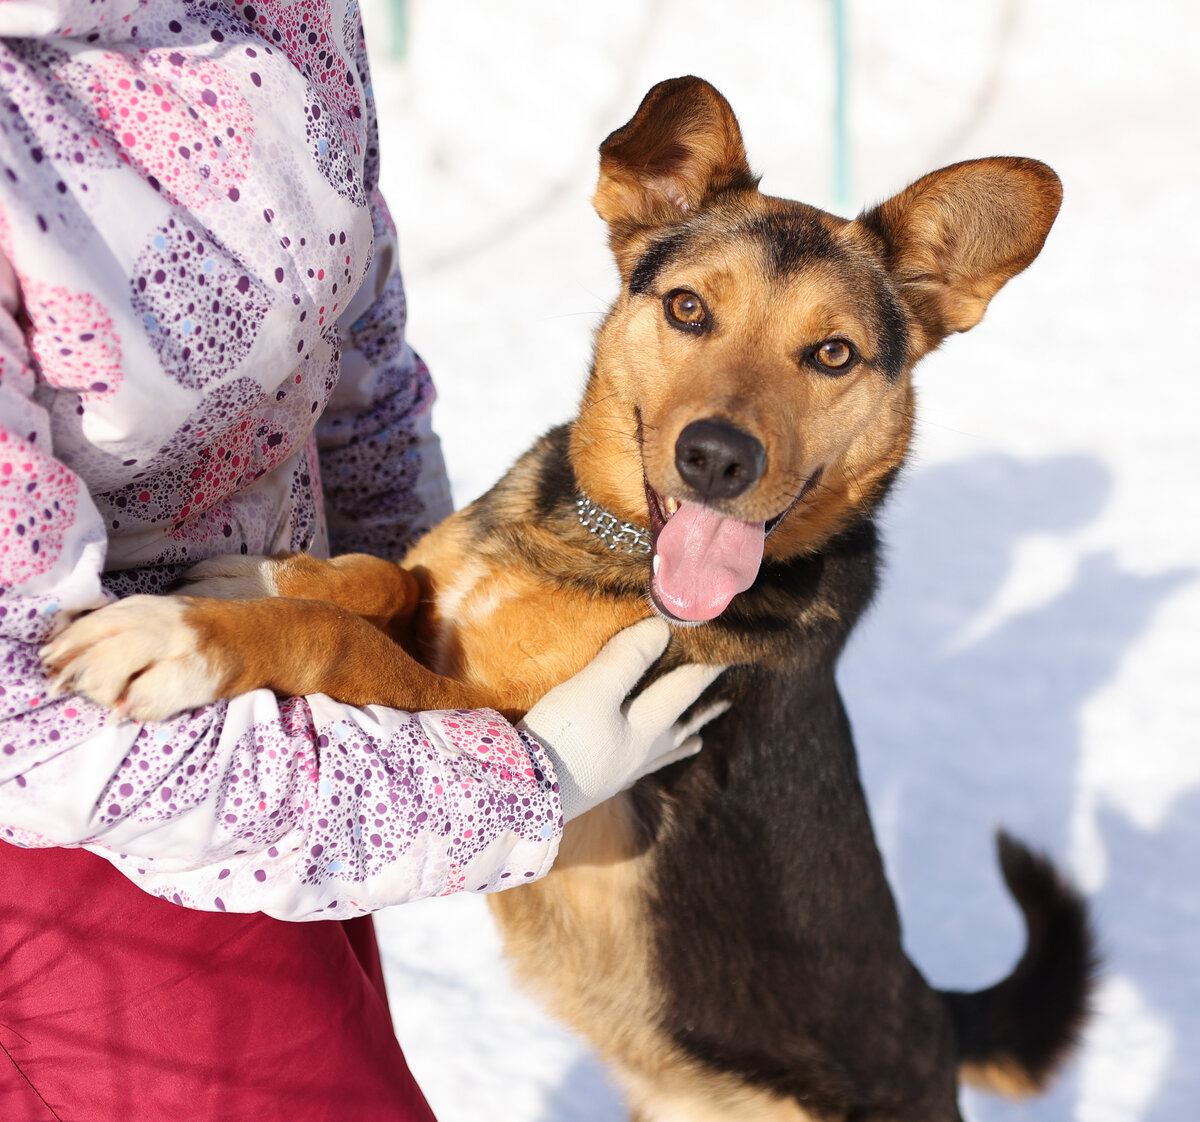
(841, 143)
(399, 42)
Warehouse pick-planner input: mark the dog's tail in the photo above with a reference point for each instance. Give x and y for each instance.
(1013, 1036)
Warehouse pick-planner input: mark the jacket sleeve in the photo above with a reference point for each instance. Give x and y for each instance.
(381, 463)
(302, 808)
(382, 470)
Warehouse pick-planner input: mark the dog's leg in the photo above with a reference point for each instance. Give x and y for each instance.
(152, 656)
(367, 586)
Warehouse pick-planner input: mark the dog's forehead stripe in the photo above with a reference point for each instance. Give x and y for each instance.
(654, 260)
(791, 241)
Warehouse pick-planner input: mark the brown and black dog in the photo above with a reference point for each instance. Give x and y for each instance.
(723, 932)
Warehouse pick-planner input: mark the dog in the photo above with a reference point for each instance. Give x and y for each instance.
(723, 932)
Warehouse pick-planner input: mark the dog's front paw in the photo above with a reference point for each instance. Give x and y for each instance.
(233, 577)
(138, 656)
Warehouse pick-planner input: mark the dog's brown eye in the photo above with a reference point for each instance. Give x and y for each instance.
(686, 309)
(836, 354)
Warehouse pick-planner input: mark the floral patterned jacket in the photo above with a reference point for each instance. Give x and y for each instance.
(202, 351)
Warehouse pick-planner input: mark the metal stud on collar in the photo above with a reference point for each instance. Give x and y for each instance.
(624, 536)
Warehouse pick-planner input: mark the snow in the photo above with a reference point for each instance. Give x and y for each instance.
(1031, 659)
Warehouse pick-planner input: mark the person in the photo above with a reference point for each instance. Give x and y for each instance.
(202, 352)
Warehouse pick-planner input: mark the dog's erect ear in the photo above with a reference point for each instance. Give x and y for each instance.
(681, 150)
(957, 235)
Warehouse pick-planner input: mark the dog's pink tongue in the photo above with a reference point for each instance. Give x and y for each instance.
(705, 560)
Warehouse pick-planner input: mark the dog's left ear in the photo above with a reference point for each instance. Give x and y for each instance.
(681, 150)
(957, 235)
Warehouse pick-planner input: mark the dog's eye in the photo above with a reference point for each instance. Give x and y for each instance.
(686, 310)
(835, 356)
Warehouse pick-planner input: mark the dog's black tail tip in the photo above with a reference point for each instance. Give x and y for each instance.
(1013, 1036)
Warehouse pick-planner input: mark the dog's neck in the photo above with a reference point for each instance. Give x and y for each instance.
(624, 537)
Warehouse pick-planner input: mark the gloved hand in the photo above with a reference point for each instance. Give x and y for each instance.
(598, 742)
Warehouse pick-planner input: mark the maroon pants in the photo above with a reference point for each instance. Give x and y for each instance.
(116, 1006)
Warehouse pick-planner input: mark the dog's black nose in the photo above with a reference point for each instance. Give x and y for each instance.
(718, 459)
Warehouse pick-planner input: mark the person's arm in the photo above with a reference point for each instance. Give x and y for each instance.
(301, 808)
(258, 804)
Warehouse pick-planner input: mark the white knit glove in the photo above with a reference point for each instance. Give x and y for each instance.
(598, 742)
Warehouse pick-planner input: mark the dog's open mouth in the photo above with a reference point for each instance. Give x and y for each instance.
(701, 559)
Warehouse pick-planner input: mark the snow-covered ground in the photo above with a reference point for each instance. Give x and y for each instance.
(1032, 659)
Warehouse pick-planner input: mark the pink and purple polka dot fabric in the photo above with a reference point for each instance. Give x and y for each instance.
(188, 210)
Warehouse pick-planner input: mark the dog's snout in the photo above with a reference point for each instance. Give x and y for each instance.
(719, 460)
